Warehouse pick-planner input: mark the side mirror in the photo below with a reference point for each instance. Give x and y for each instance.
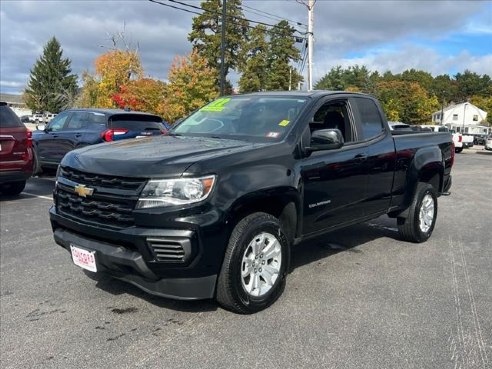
(325, 139)
(41, 127)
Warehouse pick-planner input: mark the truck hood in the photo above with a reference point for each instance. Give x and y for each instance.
(162, 156)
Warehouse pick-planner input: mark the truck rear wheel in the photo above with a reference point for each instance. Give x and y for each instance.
(255, 265)
(419, 224)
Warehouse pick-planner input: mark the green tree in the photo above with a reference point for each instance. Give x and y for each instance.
(407, 101)
(424, 79)
(354, 78)
(51, 85)
(254, 68)
(334, 80)
(205, 34)
(191, 85)
(470, 83)
(282, 52)
(444, 88)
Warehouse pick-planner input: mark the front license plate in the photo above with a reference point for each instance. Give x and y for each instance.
(83, 258)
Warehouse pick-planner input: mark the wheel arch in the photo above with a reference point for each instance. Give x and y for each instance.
(282, 203)
(427, 167)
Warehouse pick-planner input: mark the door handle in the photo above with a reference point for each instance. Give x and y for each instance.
(360, 157)
(78, 135)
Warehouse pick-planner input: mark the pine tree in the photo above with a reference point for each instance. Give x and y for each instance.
(206, 33)
(254, 68)
(51, 87)
(282, 52)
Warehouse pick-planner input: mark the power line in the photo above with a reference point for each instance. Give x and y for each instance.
(229, 16)
(175, 7)
(272, 16)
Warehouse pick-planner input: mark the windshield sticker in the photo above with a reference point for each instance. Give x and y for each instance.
(284, 123)
(217, 105)
(273, 134)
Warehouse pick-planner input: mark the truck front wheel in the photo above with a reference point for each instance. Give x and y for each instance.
(419, 224)
(255, 265)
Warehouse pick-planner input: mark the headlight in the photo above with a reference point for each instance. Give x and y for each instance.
(165, 192)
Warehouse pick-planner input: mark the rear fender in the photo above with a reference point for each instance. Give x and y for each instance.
(427, 166)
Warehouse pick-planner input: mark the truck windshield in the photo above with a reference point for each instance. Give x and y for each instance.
(257, 118)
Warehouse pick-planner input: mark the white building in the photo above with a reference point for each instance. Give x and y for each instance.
(464, 118)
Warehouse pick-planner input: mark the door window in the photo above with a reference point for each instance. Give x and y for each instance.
(333, 114)
(78, 120)
(58, 122)
(370, 121)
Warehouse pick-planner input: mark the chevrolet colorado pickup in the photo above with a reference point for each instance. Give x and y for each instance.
(212, 209)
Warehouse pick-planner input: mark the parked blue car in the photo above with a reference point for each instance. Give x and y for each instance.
(75, 128)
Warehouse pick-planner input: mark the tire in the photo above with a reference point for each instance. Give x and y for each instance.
(419, 224)
(458, 150)
(13, 188)
(246, 291)
(37, 170)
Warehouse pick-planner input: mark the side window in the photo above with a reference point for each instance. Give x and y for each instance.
(96, 120)
(78, 120)
(333, 114)
(58, 122)
(370, 120)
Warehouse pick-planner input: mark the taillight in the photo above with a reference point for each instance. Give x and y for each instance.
(163, 131)
(108, 135)
(29, 138)
(460, 138)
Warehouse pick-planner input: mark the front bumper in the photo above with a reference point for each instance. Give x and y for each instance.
(129, 255)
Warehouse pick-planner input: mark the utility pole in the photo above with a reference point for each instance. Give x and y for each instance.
(222, 50)
(310, 43)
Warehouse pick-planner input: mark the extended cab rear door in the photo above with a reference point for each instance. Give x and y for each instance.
(379, 148)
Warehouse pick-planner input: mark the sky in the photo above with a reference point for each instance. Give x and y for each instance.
(440, 37)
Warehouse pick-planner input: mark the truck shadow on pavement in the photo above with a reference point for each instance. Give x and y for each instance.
(345, 240)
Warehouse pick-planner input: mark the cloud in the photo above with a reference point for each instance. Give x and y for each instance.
(379, 33)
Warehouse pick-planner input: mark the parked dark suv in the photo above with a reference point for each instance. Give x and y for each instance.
(75, 128)
(16, 158)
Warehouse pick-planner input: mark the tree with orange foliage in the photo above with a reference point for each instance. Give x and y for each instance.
(191, 85)
(145, 94)
(114, 69)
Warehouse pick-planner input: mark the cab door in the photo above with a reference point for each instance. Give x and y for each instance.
(47, 146)
(334, 181)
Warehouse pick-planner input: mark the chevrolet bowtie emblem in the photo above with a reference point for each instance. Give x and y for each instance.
(83, 191)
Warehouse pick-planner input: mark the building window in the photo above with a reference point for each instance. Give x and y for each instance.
(475, 118)
(455, 116)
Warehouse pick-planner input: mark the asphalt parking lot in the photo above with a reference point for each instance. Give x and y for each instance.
(357, 298)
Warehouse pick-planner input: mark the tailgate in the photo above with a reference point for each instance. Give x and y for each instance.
(13, 143)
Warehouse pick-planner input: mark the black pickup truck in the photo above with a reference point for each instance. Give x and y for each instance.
(212, 209)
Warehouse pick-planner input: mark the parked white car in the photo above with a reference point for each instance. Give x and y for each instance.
(488, 143)
(457, 137)
(468, 141)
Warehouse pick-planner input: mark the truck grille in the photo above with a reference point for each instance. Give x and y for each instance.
(98, 180)
(110, 205)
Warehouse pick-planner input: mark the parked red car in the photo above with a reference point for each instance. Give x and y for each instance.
(16, 158)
